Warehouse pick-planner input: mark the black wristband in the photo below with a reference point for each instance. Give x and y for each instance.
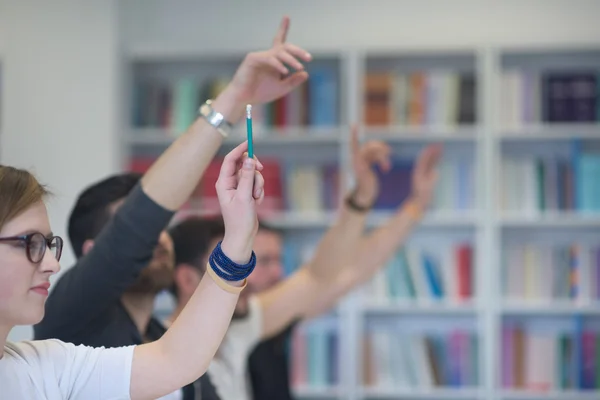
(350, 202)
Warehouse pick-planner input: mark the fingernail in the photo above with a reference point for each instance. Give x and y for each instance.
(248, 163)
(258, 193)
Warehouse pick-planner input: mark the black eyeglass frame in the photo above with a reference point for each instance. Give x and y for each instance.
(27, 239)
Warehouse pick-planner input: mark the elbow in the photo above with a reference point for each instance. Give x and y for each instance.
(191, 370)
(202, 369)
(180, 364)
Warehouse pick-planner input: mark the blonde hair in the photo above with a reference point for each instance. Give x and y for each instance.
(19, 190)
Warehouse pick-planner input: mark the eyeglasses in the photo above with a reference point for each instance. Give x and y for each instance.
(36, 244)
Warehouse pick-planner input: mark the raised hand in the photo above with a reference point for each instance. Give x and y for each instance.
(240, 189)
(364, 158)
(263, 76)
(425, 175)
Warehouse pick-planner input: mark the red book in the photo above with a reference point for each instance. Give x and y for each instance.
(465, 260)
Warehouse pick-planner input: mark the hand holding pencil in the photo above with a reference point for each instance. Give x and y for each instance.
(249, 130)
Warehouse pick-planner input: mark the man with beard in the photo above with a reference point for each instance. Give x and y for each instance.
(124, 257)
(252, 362)
(128, 311)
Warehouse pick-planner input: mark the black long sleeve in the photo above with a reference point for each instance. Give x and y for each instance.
(88, 290)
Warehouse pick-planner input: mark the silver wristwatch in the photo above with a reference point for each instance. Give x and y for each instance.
(215, 118)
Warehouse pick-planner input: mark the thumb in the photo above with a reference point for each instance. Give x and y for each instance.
(246, 183)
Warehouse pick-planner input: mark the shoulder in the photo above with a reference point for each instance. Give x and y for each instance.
(75, 371)
(46, 357)
(59, 352)
(37, 349)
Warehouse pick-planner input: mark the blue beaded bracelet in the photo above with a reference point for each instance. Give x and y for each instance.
(228, 270)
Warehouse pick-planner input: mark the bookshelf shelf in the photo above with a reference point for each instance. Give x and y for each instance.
(442, 133)
(420, 307)
(471, 100)
(554, 131)
(317, 219)
(550, 308)
(300, 220)
(432, 219)
(550, 220)
(555, 395)
(433, 393)
(315, 392)
(278, 137)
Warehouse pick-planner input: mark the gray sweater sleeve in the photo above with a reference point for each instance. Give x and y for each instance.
(98, 279)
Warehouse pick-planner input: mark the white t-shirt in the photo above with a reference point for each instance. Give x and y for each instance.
(54, 370)
(228, 370)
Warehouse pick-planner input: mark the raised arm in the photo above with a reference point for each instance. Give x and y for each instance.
(345, 257)
(281, 305)
(373, 251)
(185, 351)
(126, 244)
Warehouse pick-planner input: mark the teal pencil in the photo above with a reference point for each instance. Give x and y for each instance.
(249, 130)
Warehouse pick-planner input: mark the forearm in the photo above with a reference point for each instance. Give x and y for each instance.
(193, 339)
(370, 254)
(332, 253)
(185, 351)
(176, 173)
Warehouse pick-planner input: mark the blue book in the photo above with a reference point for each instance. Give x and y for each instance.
(322, 97)
(433, 277)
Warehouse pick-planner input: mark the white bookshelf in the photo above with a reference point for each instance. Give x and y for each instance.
(486, 225)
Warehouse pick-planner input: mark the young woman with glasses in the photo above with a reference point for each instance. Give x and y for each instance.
(51, 369)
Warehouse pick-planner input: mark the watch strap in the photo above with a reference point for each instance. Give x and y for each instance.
(215, 118)
(353, 205)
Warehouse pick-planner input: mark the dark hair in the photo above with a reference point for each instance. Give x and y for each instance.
(91, 211)
(191, 239)
(19, 190)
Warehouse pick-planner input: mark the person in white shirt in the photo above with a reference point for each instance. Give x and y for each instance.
(30, 254)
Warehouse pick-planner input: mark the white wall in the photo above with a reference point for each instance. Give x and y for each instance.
(332, 24)
(59, 97)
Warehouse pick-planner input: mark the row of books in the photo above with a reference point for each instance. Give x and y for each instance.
(534, 271)
(455, 190)
(298, 187)
(418, 274)
(314, 354)
(313, 104)
(393, 360)
(173, 105)
(428, 97)
(552, 183)
(551, 96)
(539, 360)
(314, 187)
(547, 272)
(434, 97)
